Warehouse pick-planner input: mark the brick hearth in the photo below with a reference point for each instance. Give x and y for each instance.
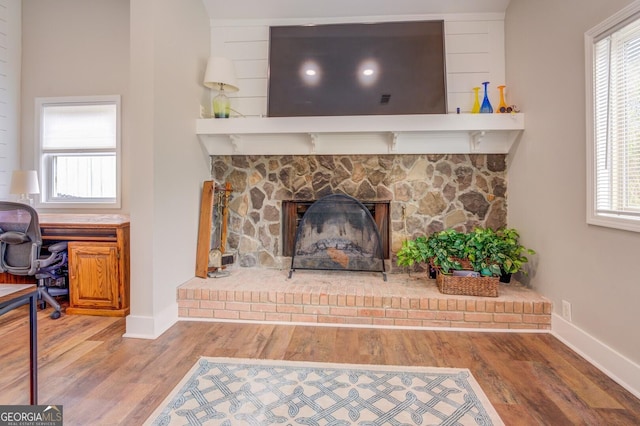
(355, 298)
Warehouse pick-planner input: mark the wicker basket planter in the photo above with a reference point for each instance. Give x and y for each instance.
(467, 286)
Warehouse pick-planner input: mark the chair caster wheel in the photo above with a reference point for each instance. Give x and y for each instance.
(55, 315)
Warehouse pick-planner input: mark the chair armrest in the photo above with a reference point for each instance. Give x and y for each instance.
(14, 237)
(58, 247)
(58, 256)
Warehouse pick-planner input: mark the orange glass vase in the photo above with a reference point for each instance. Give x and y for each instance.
(502, 107)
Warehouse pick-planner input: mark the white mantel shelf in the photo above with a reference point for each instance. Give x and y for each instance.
(370, 134)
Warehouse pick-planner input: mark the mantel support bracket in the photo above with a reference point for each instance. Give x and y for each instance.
(393, 142)
(235, 142)
(313, 140)
(475, 138)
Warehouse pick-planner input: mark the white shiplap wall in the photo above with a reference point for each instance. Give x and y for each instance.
(10, 41)
(474, 47)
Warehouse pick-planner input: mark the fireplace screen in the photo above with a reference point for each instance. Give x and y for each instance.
(338, 232)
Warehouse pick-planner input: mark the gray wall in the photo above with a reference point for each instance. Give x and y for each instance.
(11, 43)
(593, 268)
(153, 53)
(75, 48)
(169, 50)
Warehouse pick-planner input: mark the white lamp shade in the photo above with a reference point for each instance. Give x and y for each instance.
(221, 74)
(24, 182)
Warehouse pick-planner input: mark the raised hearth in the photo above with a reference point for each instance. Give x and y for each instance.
(356, 298)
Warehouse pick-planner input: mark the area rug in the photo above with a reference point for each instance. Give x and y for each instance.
(231, 391)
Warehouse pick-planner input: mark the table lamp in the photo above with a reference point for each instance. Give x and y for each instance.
(24, 183)
(221, 76)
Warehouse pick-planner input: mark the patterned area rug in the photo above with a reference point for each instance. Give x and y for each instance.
(231, 391)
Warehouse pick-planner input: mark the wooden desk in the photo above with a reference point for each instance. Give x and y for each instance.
(98, 260)
(98, 246)
(12, 296)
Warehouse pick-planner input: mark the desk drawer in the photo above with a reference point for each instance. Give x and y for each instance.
(79, 234)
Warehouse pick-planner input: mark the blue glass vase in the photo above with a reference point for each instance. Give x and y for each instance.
(486, 105)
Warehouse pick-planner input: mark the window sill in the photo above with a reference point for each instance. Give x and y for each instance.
(615, 222)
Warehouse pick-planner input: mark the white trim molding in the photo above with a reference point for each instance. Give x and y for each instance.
(151, 327)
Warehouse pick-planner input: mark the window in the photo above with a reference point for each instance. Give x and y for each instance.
(613, 117)
(79, 151)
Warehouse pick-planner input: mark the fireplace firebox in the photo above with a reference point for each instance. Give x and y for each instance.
(338, 232)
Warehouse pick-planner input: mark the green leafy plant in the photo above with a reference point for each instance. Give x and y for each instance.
(413, 251)
(483, 251)
(489, 252)
(512, 254)
(443, 249)
(446, 249)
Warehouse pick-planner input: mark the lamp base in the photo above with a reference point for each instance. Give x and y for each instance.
(25, 199)
(221, 106)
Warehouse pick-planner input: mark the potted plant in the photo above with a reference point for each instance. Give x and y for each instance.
(413, 251)
(512, 255)
(482, 249)
(446, 250)
(490, 254)
(443, 250)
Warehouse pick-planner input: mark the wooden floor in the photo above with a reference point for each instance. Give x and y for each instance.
(101, 378)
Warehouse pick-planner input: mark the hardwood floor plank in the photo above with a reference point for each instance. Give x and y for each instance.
(279, 340)
(532, 394)
(566, 398)
(347, 349)
(324, 343)
(372, 350)
(487, 367)
(519, 415)
(66, 359)
(126, 406)
(590, 393)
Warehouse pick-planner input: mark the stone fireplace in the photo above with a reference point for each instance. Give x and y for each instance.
(425, 193)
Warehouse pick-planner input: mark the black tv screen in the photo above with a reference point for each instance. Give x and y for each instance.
(357, 69)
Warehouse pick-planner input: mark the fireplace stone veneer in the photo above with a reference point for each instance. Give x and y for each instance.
(427, 193)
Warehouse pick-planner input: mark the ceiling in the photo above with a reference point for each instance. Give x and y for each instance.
(291, 9)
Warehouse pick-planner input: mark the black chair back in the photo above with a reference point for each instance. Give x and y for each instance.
(20, 238)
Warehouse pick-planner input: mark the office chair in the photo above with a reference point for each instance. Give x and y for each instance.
(20, 252)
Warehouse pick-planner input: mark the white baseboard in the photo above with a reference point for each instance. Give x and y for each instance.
(146, 327)
(615, 365)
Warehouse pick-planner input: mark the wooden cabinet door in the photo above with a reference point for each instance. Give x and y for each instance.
(93, 275)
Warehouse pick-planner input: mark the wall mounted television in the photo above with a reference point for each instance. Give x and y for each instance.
(357, 69)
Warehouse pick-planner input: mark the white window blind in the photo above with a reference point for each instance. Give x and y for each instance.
(79, 126)
(79, 150)
(615, 156)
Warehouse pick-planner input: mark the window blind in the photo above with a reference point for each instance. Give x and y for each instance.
(79, 126)
(617, 122)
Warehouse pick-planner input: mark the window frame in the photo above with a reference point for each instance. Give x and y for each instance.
(610, 25)
(41, 155)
